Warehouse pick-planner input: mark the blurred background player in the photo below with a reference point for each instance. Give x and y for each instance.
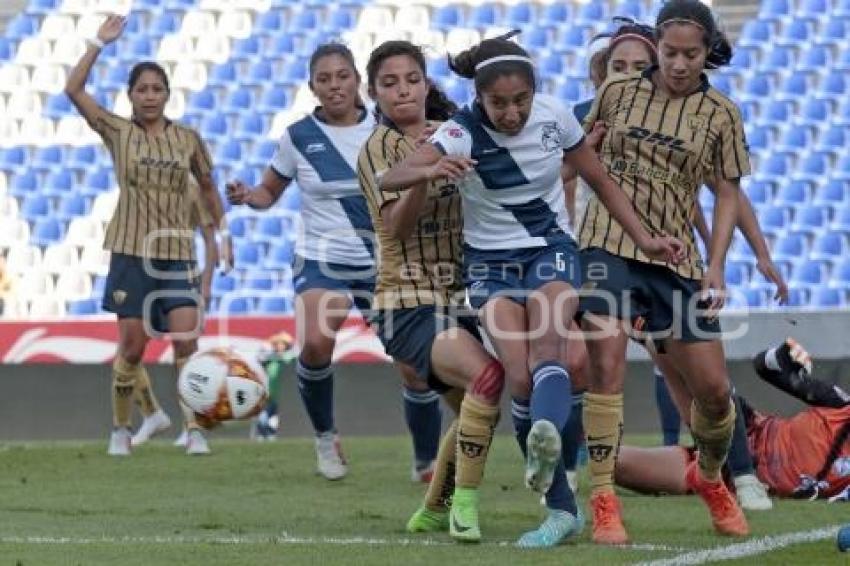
(798, 456)
(274, 359)
(151, 227)
(154, 418)
(333, 268)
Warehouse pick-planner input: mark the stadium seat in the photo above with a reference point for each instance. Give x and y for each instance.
(212, 49)
(815, 58)
(814, 112)
(97, 181)
(827, 298)
(755, 33)
(809, 274)
(47, 158)
(229, 152)
(793, 193)
(280, 256)
(47, 231)
(12, 158)
(21, 26)
(259, 281)
(223, 75)
(247, 254)
(14, 232)
(484, 15)
(84, 231)
(46, 307)
(35, 206)
(58, 183)
(840, 278)
(235, 24)
(231, 304)
(833, 193)
(789, 247)
(833, 140)
(448, 17)
(83, 307)
(813, 167)
(275, 305)
(23, 184)
(34, 51)
(829, 246)
(23, 259)
(774, 219)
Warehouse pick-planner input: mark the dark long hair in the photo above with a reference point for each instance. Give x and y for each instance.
(437, 105)
(466, 63)
(139, 68)
(694, 11)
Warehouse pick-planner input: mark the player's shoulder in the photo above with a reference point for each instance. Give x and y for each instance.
(549, 103)
(723, 103)
(617, 84)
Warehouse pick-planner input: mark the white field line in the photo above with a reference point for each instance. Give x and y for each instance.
(752, 547)
(284, 538)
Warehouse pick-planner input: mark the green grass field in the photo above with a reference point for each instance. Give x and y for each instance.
(69, 503)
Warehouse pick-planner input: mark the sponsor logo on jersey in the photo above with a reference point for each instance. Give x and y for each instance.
(315, 147)
(455, 132)
(657, 138)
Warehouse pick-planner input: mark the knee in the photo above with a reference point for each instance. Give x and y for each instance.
(489, 383)
(316, 350)
(184, 348)
(410, 381)
(132, 350)
(715, 401)
(518, 379)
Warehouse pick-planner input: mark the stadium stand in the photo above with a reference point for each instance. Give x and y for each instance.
(238, 70)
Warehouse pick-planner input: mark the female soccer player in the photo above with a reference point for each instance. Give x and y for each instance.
(334, 265)
(795, 456)
(521, 264)
(151, 283)
(667, 130)
(419, 302)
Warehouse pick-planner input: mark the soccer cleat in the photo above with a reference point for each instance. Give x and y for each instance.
(119, 442)
(197, 444)
(727, 517)
(157, 422)
(543, 447)
(426, 521)
(329, 458)
(554, 530)
(752, 494)
(182, 440)
(607, 519)
(463, 515)
(422, 474)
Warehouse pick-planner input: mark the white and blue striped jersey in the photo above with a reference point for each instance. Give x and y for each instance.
(515, 196)
(322, 159)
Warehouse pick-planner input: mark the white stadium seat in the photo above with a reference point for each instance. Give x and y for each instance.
(68, 50)
(14, 78)
(46, 307)
(4, 187)
(9, 131)
(375, 19)
(175, 48)
(22, 104)
(49, 79)
(37, 130)
(22, 259)
(88, 25)
(412, 18)
(16, 308)
(176, 106)
(35, 283)
(59, 258)
(190, 75)
(461, 39)
(78, 7)
(104, 206)
(434, 41)
(122, 106)
(8, 205)
(55, 26)
(73, 285)
(212, 48)
(237, 25)
(95, 260)
(122, 7)
(14, 232)
(84, 231)
(256, 6)
(198, 24)
(34, 51)
(73, 130)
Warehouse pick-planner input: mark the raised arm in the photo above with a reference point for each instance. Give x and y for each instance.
(75, 87)
(425, 164)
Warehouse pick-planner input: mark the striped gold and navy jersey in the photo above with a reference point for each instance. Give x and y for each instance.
(425, 268)
(153, 215)
(199, 214)
(660, 150)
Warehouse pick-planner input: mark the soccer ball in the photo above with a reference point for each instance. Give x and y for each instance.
(221, 385)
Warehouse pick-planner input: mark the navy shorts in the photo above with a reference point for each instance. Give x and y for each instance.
(354, 280)
(657, 302)
(514, 273)
(129, 283)
(408, 335)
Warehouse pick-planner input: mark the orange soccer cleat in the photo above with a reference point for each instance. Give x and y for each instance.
(726, 515)
(607, 519)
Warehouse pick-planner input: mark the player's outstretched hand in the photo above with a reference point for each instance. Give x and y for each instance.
(771, 273)
(451, 167)
(665, 248)
(596, 135)
(111, 28)
(236, 192)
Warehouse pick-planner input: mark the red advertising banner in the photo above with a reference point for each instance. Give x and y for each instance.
(94, 340)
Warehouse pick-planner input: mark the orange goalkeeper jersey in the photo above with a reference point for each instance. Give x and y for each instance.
(784, 448)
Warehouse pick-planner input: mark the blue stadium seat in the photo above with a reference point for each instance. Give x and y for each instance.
(779, 58)
(797, 297)
(833, 193)
(262, 153)
(775, 167)
(809, 274)
(744, 58)
(815, 8)
(794, 193)
(47, 231)
(755, 298)
(775, 9)
(815, 58)
(305, 21)
(58, 105)
(164, 23)
(484, 16)
(98, 286)
(23, 183)
(222, 284)
(759, 192)
(759, 85)
(34, 206)
(291, 199)
(239, 225)
(841, 221)
(213, 126)
(247, 49)
(229, 151)
(810, 219)
(438, 68)
(828, 297)
(280, 255)
(829, 246)
(12, 158)
(445, 18)
(520, 15)
(41, 7)
(814, 167)
(140, 48)
(248, 175)
(274, 99)
(295, 74)
(796, 32)
(58, 183)
(268, 229)
(240, 100)
(259, 281)
(223, 75)
(551, 65)
(834, 86)
(47, 158)
(71, 206)
(238, 305)
(835, 30)
(275, 305)
(250, 127)
(21, 26)
(723, 83)
(789, 247)
(203, 100)
(841, 275)
(570, 91)
(270, 22)
(97, 181)
(283, 44)
(760, 137)
(574, 37)
(774, 219)
(5, 49)
(593, 11)
(341, 19)
(755, 33)
(260, 73)
(83, 307)
(815, 111)
(736, 273)
(842, 169)
(842, 8)
(457, 90)
(794, 86)
(81, 158)
(557, 13)
(247, 254)
(777, 112)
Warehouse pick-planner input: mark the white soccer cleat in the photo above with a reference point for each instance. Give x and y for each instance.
(196, 444)
(153, 424)
(422, 475)
(119, 442)
(751, 494)
(329, 459)
(183, 440)
(543, 451)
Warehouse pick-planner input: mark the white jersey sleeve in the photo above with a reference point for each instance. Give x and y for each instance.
(572, 132)
(452, 139)
(285, 159)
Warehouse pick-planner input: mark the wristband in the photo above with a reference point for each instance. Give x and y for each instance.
(96, 42)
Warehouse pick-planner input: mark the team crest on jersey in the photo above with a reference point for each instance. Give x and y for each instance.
(552, 137)
(315, 147)
(455, 132)
(119, 297)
